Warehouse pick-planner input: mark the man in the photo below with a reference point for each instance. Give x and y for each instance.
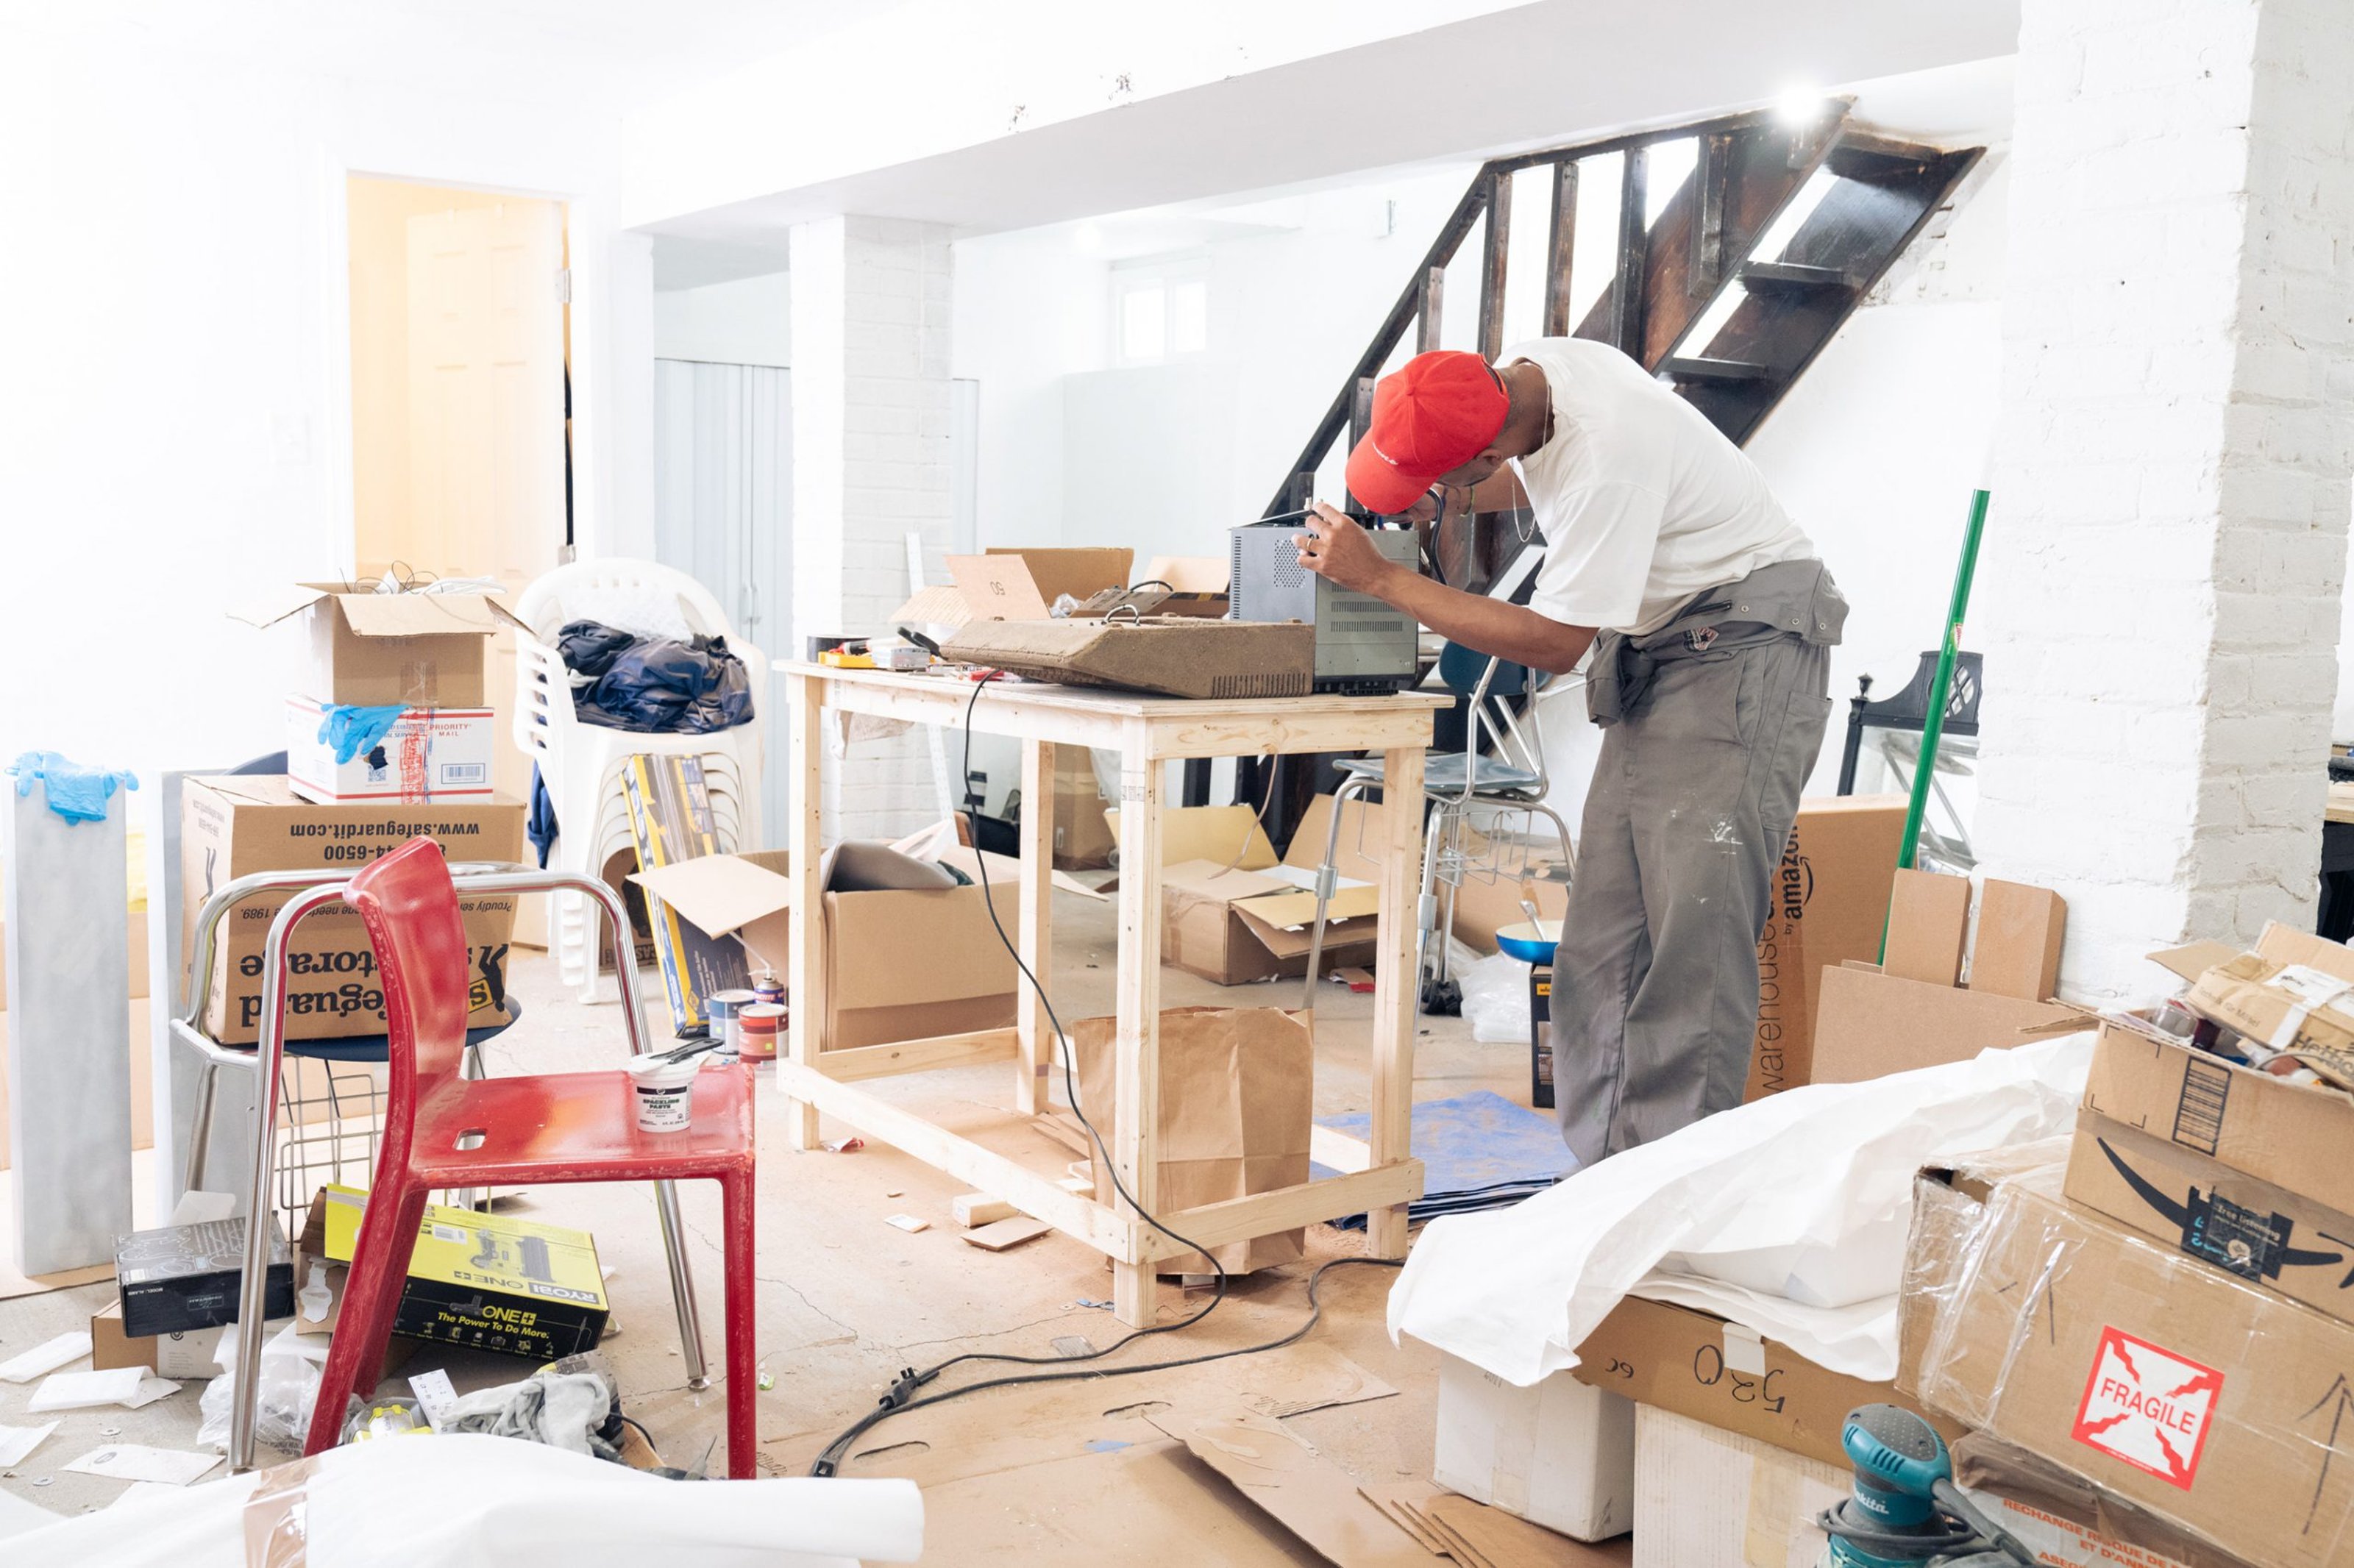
(1707, 616)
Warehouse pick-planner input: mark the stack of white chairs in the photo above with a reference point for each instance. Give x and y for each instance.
(583, 764)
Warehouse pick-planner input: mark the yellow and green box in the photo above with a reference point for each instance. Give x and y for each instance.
(495, 1282)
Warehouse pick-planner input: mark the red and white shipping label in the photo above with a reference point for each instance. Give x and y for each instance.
(2148, 1407)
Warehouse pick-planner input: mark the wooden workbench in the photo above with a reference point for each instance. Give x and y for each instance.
(1379, 1179)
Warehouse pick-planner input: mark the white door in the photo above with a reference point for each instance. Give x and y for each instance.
(486, 411)
(724, 516)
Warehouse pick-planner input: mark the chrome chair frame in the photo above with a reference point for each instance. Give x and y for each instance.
(1522, 752)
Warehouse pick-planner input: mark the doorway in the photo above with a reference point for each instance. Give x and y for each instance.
(460, 338)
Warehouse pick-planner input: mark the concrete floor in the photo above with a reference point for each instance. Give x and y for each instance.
(846, 1300)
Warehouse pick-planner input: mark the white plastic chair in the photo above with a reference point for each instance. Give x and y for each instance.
(582, 764)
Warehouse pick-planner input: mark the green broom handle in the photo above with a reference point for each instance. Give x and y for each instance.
(1932, 727)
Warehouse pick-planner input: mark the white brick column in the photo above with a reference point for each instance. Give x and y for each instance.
(870, 322)
(2158, 597)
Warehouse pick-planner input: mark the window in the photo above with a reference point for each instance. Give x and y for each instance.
(1160, 310)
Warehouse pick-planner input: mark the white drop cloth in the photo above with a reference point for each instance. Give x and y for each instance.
(1789, 1215)
(459, 1501)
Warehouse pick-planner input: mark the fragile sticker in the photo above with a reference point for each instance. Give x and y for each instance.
(2148, 1407)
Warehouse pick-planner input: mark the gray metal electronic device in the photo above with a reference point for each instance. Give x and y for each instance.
(1364, 647)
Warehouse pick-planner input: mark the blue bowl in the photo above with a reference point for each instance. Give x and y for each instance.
(1530, 944)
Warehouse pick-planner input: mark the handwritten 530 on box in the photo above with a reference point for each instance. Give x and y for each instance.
(233, 826)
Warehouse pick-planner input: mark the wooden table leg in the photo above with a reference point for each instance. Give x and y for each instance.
(1396, 985)
(1135, 1141)
(1034, 937)
(805, 705)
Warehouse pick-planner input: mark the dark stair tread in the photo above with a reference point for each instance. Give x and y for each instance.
(1793, 277)
(1688, 368)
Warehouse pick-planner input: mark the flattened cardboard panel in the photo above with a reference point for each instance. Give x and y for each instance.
(1078, 571)
(1928, 920)
(1315, 1498)
(998, 587)
(1872, 1024)
(1209, 833)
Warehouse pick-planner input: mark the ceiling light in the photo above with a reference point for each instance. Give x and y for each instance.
(1798, 105)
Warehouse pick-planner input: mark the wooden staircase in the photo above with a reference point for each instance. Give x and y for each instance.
(1728, 288)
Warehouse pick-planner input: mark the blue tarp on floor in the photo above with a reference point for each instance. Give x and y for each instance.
(1479, 1151)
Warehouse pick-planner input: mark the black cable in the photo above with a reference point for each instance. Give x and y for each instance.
(902, 1394)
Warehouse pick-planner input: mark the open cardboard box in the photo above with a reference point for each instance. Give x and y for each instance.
(368, 649)
(1016, 584)
(899, 964)
(1233, 913)
(1829, 904)
(2289, 1134)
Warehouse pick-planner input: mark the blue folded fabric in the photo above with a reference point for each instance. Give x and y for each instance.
(352, 730)
(75, 792)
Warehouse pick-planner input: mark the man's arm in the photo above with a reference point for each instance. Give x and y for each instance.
(1335, 548)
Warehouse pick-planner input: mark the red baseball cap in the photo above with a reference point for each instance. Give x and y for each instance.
(1430, 418)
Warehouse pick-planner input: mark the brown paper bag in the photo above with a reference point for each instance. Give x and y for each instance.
(1235, 1095)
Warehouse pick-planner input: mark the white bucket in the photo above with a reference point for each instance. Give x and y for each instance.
(665, 1090)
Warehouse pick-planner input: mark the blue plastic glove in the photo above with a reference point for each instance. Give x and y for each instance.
(352, 730)
(77, 793)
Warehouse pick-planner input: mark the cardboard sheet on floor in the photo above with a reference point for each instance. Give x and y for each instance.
(1047, 1422)
(1280, 1471)
(1500, 1541)
(1144, 1501)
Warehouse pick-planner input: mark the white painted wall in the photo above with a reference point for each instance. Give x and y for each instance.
(746, 321)
(1875, 450)
(177, 386)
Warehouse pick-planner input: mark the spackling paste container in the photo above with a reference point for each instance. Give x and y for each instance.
(665, 1090)
(756, 1028)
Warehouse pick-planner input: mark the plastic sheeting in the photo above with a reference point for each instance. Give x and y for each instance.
(1789, 1215)
(460, 1501)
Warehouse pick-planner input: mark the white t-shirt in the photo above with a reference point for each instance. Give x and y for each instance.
(1644, 503)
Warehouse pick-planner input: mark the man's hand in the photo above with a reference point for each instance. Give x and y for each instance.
(1337, 550)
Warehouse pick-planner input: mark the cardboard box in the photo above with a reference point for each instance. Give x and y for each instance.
(2209, 1402)
(1234, 925)
(495, 1282)
(1178, 656)
(1872, 1024)
(232, 826)
(2065, 1519)
(1706, 1497)
(1928, 928)
(1484, 905)
(2293, 1136)
(1830, 906)
(899, 964)
(1083, 837)
(1015, 585)
(2206, 1210)
(1237, 1086)
(190, 1353)
(2295, 992)
(1559, 1453)
(180, 1277)
(371, 649)
(430, 754)
(1726, 1375)
(2017, 950)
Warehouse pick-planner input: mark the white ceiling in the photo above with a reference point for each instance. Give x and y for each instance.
(621, 50)
(1532, 76)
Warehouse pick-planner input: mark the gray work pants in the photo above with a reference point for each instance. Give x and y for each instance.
(1655, 984)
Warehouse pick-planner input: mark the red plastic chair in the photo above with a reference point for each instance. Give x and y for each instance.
(557, 1126)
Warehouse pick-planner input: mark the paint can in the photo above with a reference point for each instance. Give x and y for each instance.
(758, 1027)
(720, 1008)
